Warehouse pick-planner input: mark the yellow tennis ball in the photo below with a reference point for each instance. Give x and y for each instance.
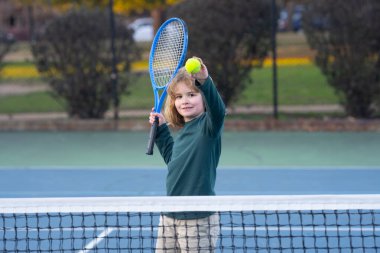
(193, 66)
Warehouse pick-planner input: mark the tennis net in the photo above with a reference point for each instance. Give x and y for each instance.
(309, 223)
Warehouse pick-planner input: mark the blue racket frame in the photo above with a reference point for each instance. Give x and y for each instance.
(159, 100)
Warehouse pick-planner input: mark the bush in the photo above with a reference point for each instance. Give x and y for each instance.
(228, 36)
(74, 54)
(347, 47)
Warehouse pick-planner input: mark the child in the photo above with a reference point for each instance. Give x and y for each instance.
(195, 106)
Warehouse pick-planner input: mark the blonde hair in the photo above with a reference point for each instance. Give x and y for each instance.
(171, 114)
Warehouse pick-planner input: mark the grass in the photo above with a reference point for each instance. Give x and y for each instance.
(298, 85)
(34, 102)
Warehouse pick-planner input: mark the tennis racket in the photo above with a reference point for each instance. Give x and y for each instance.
(167, 55)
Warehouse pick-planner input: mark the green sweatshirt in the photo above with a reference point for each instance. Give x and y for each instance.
(193, 155)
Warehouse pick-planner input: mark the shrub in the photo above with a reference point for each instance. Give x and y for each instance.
(74, 54)
(229, 36)
(344, 34)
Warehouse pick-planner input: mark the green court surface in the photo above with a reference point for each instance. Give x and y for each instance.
(240, 150)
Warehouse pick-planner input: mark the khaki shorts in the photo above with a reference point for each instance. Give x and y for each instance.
(196, 235)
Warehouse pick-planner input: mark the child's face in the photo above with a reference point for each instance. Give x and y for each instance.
(188, 103)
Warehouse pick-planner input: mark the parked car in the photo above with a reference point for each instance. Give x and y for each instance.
(6, 37)
(297, 17)
(282, 21)
(143, 29)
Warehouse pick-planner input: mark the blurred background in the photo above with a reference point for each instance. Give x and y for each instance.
(281, 59)
(301, 80)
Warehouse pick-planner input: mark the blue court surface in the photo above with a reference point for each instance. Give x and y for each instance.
(259, 231)
(114, 164)
(43, 164)
(278, 232)
(147, 182)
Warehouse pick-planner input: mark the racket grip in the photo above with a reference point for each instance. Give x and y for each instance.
(152, 137)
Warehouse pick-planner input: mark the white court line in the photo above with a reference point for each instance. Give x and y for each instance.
(91, 245)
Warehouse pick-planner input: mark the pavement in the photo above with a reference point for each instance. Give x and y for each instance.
(19, 89)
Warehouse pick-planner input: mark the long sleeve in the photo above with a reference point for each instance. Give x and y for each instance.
(164, 142)
(193, 156)
(215, 107)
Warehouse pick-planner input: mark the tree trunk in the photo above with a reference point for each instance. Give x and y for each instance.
(157, 15)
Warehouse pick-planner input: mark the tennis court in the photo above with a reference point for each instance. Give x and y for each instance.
(110, 164)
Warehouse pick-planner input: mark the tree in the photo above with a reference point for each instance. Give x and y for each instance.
(37, 13)
(156, 7)
(345, 36)
(73, 53)
(229, 36)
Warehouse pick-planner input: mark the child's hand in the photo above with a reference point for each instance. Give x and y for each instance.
(202, 75)
(153, 115)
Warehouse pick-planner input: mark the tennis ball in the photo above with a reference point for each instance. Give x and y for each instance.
(193, 66)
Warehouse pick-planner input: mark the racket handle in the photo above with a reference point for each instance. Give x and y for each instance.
(152, 137)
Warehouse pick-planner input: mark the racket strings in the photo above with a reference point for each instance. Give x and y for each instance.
(169, 50)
